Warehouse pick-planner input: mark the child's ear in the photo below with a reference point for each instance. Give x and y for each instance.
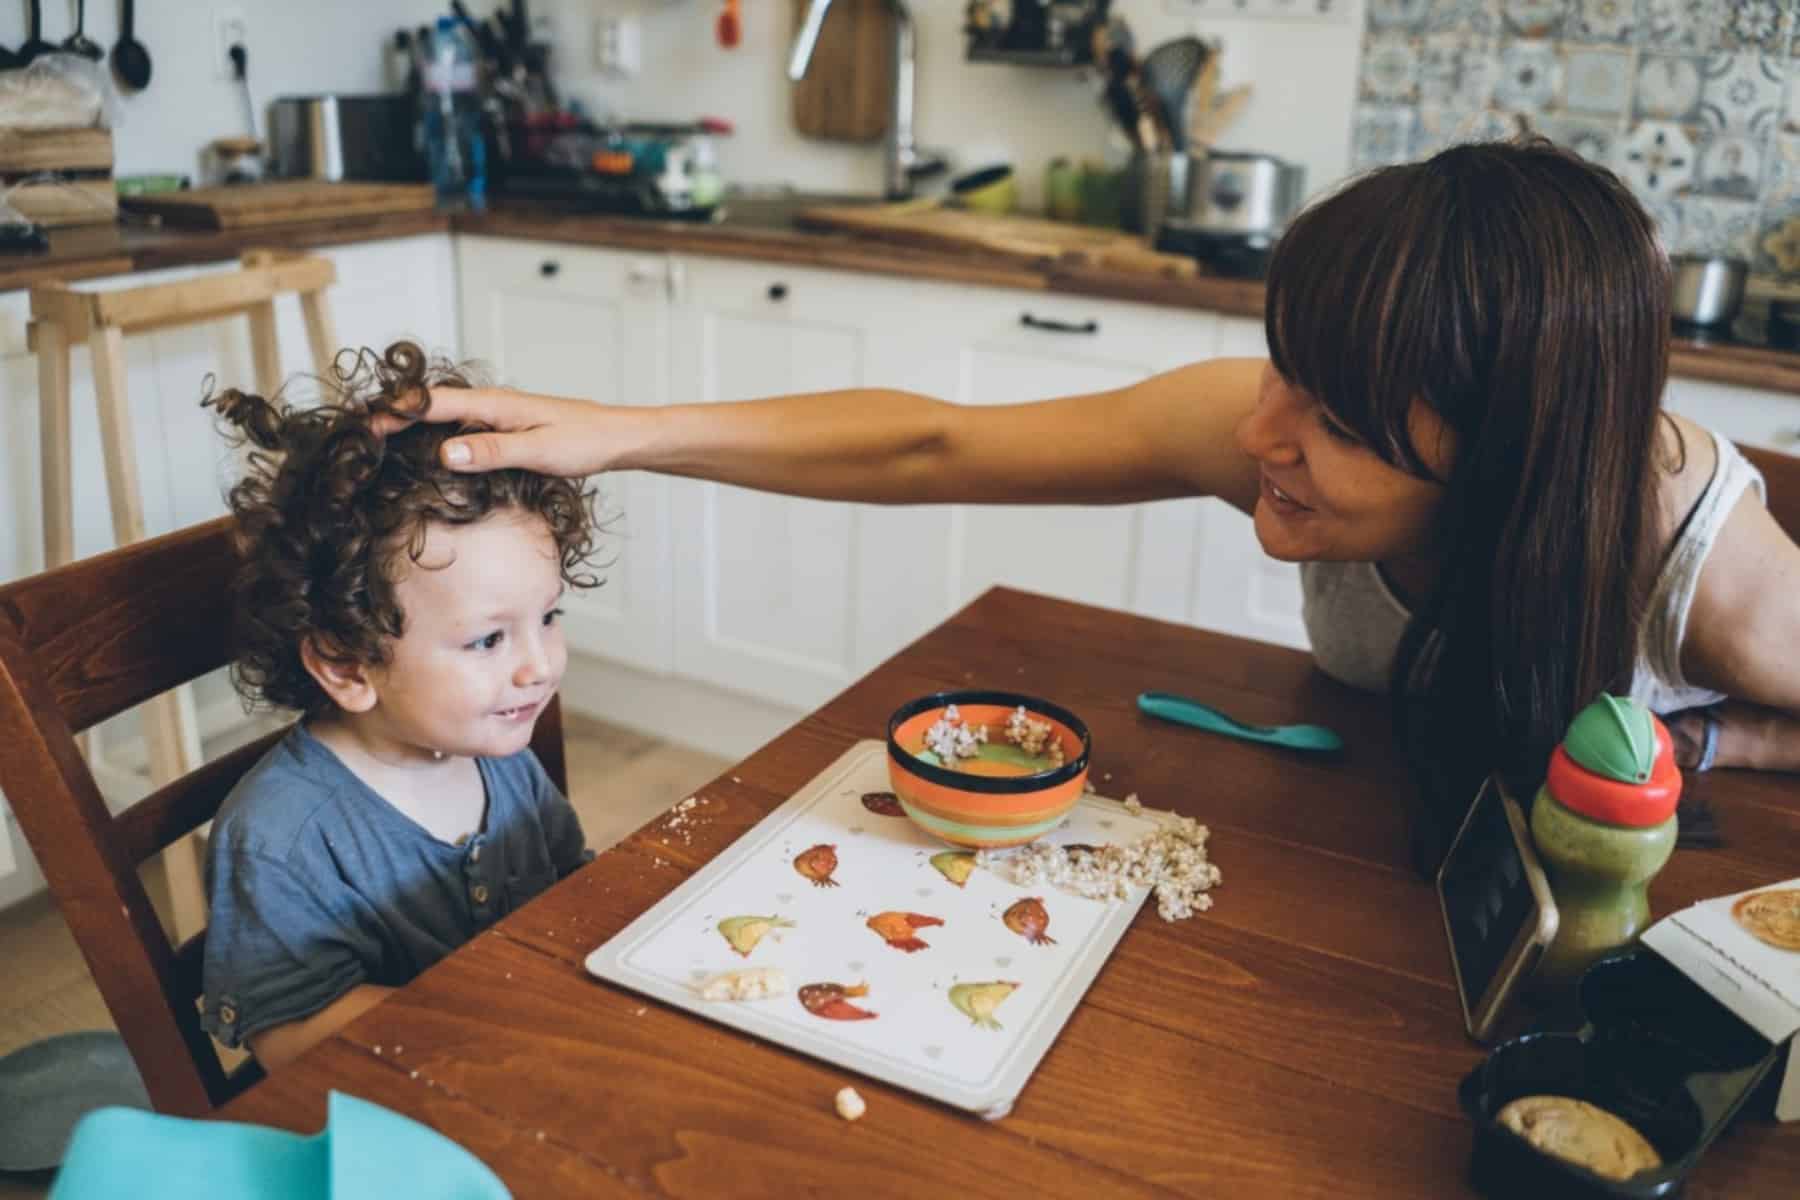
(348, 683)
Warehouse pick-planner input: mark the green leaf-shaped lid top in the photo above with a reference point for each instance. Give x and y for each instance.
(1613, 737)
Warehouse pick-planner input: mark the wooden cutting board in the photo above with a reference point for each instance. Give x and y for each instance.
(846, 93)
(1030, 240)
(250, 205)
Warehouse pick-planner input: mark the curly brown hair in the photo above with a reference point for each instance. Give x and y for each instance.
(327, 507)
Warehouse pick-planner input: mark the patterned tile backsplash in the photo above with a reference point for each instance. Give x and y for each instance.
(1695, 103)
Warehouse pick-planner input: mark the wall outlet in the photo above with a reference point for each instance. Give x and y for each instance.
(230, 28)
(618, 45)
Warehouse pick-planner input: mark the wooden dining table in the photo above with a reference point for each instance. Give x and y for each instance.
(1301, 1038)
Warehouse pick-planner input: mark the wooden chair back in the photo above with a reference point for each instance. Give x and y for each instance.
(82, 643)
(1782, 473)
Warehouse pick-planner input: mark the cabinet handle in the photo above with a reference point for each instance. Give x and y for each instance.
(778, 291)
(548, 268)
(1049, 326)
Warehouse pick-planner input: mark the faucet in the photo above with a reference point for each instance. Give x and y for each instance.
(905, 161)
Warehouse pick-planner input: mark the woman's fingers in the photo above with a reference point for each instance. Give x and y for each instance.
(490, 451)
(498, 407)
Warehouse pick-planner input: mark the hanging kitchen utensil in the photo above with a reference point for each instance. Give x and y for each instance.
(130, 61)
(1169, 73)
(1202, 95)
(1210, 124)
(35, 46)
(79, 42)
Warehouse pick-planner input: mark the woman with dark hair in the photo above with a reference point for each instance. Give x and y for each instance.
(1458, 433)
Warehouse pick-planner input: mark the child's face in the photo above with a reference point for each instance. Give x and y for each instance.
(482, 649)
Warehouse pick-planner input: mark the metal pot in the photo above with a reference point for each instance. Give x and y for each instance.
(1707, 290)
(1245, 195)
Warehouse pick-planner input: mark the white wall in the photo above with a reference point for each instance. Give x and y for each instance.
(1303, 72)
(294, 48)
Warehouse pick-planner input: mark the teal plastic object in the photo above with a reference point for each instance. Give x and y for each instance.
(365, 1152)
(1613, 737)
(1183, 711)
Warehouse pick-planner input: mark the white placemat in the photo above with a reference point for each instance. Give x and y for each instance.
(918, 1038)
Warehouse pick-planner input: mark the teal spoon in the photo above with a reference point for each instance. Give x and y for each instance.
(1183, 711)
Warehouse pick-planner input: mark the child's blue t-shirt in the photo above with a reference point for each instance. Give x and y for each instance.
(318, 885)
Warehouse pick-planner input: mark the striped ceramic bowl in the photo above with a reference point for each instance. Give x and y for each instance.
(984, 812)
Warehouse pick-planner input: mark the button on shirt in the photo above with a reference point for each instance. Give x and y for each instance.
(318, 884)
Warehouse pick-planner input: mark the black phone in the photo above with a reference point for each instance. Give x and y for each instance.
(1498, 911)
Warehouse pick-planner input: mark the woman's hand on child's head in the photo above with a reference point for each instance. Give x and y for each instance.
(548, 434)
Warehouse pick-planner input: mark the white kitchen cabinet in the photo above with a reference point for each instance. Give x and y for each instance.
(769, 591)
(1235, 587)
(574, 321)
(1018, 346)
(1766, 419)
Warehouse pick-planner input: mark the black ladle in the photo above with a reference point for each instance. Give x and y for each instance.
(130, 61)
(79, 42)
(35, 46)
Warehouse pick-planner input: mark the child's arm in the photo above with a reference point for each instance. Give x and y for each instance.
(282, 1044)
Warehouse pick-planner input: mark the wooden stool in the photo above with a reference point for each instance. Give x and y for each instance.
(62, 317)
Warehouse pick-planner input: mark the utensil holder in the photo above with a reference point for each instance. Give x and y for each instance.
(1155, 184)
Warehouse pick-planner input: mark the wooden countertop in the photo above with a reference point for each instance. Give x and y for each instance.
(1301, 1038)
(94, 251)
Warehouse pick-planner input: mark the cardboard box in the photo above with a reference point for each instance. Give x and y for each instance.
(1756, 979)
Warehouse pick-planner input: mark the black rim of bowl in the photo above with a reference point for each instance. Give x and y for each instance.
(981, 178)
(999, 785)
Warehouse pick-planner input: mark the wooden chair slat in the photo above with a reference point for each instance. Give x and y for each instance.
(151, 616)
(169, 813)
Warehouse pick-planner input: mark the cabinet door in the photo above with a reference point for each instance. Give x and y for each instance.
(1767, 419)
(1236, 588)
(574, 321)
(1017, 346)
(767, 587)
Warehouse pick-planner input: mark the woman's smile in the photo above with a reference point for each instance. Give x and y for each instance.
(1282, 500)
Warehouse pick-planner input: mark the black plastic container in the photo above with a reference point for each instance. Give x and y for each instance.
(1657, 1051)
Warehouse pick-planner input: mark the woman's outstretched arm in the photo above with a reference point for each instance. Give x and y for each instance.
(1169, 435)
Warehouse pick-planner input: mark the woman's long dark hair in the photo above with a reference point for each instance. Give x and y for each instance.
(1522, 294)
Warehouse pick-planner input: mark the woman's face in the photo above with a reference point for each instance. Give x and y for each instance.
(1327, 497)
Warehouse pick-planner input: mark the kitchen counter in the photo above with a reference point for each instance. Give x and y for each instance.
(92, 251)
(755, 227)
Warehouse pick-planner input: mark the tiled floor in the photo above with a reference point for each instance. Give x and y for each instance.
(618, 780)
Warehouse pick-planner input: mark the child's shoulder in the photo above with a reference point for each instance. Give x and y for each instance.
(278, 804)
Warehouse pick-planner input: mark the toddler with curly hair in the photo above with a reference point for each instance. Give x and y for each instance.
(410, 616)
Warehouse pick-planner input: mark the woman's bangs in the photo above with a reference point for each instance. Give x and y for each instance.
(1348, 315)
